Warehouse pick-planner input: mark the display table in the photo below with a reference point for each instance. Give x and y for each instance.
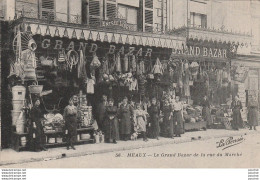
(57, 136)
(60, 139)
(195, 126)
(16, 142)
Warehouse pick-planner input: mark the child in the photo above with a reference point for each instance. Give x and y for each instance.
(140, 121)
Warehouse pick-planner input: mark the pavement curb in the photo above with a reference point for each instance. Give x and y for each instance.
(130, 147)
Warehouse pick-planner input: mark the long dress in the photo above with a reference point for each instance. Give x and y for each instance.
(36, 115)
(125, 113)
(154, 129)
(206, 112)
(70, 116)
(100, 116)
(177, 118)
(237, 119)
(253, 113)
(140, 120)
(167, 125)
(111, 124)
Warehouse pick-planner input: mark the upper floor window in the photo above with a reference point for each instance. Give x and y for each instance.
(198, 20)
(128, 13)
(52, 10)
(61, 10)
(2, 10)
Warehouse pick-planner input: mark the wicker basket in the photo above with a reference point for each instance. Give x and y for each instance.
(35, 89)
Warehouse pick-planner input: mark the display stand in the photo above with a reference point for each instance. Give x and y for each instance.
(195, 126)
(60, 134)
(16, 142)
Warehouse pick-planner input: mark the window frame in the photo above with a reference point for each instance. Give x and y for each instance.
(159, 12)
(193, 15)
(126, 15)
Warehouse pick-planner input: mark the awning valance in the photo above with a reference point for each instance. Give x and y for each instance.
(116, 37)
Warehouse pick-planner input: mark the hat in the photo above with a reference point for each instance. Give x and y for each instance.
(111, 99)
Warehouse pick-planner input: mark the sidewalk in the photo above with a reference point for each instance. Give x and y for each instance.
(9, 156)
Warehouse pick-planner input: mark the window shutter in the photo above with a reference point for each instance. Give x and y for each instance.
(148, 15)
(149, 4)
(47, 9)
(28, 7)
(94, 12)
(204, 21)
(111, 9)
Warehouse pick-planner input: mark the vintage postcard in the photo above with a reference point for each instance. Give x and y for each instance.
(130, 83)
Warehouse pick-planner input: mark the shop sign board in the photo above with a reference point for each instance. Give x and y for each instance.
(54, 44)
(202, 51)
(89, 46)
(121, 23)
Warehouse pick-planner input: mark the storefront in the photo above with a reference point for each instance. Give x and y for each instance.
(209, 74)
(61, 62)
(251, 80)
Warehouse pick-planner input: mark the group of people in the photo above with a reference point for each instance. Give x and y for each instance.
(252, 115)
(145, 119)
(37, 131)
(128, 118)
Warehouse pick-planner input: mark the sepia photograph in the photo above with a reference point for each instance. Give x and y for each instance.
(130, 84)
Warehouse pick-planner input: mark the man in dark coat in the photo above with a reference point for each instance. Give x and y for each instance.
(236, 106)
(154, 112)
(125, 116)
(101, 113)
(37, 116)
(111, 123)
(253, 113)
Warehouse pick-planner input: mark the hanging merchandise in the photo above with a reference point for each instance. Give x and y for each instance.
(225, 76)
(171, 74)
(46, 61)
(194, 68)
(82, 66)
(128, 79)
(180, 76)
(150, 75)
(141, 85)
(126, 64)
(25, 64)
(105, 66)
(118, 63)
(142, 67)
(219, 77)
(72, 59)
(239, 72)
(138, 72)
(15, 69)
(133, 85)
(62, 56)
(95, 62)
(90, 85)
(206, 82)
(186, 79)
(157, 69)
(103, 70)
(133, 63)
(112, 64)
(29, 64)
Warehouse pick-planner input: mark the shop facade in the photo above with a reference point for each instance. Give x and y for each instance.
(60, 57)
(61, 61)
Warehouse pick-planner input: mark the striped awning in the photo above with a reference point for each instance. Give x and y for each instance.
(132, 38)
